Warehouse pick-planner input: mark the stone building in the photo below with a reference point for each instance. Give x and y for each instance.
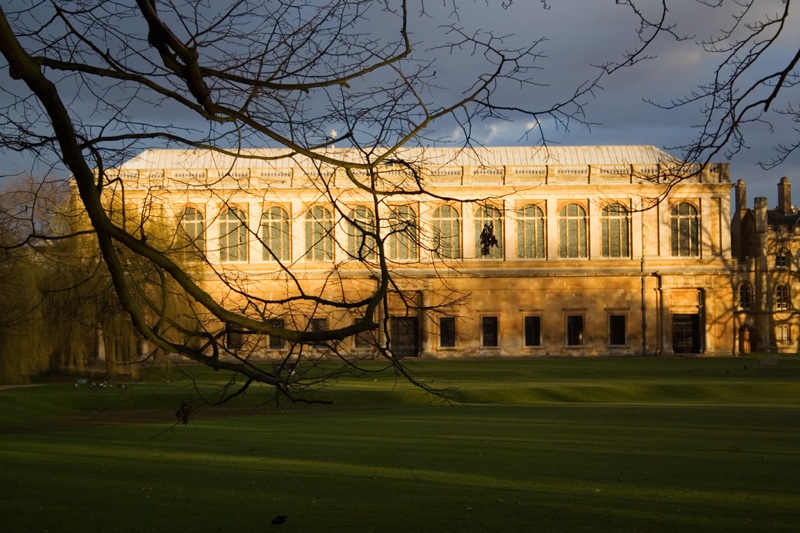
(766, 246)
(587, 262)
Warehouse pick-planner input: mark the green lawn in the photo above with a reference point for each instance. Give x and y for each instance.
(541, 445)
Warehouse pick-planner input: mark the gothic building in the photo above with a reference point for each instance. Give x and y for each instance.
(766, 246)
(593, 254)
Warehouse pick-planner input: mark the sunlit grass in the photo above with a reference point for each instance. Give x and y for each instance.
(612, 445)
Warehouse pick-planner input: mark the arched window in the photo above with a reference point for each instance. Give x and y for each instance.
(489, 218)
(782, 258)
(530, 232)
(782, 300)
(403, 240)
(275, 232)
(745, 296)
(194, 228)
(685, 223)
(233, 235)
(319, 234)
(447, 232)
(572, 231)
(359, 244)
(616, 231)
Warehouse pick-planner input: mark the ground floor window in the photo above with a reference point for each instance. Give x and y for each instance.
(276, 343)
(782, 333)
(316, 325)
(364, 340)
(533, 331)
(489, 333)
(447, 332)
(574, 330)
(234, 338)
(616, 330)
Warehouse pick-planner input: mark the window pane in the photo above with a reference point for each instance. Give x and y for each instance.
(359, 244)
(685, 230)
(275, 234)
(447, 232)
(194, 228)
(489, 330)
(530, 232)
(234, 337)
(572, 231)
(575, 330)
(364, 340)
(319, 234)
(491, 219)
(447, 332)
(402, 240)
(276, 343)
(782, 301)
(745, 292)
(233, 235)
(316, 325)
(614, 226)
(782, 259)
(533, 331)
(616, 333)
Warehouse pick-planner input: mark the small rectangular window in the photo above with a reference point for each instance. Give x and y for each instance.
(364, 340)
(533, 331)
(782, 259)
(234, 338)
(316, 325)
(489, 333)
(616, 330)
(575, 330)
(276, 343)
(782, 333)
(447, 332)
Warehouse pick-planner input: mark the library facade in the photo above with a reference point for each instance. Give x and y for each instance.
(506, 251)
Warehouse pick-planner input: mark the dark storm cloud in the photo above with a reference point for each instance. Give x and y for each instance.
(581, 35)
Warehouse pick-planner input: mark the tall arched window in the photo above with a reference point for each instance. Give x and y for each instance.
(530, 232)
(359, 244)
(275, 233)
(615, 231)
(491, 218)
(319, 234)
(194, 227)
(233, 235)
(782, 298)
(745, 296)
(572, 231)
(402, 240)
(685, 224)
(447, 232)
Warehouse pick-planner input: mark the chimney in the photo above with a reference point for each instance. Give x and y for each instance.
(785, 195)
(741, 198)
(761, 213)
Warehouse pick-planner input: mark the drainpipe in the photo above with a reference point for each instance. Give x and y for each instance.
(702, 325)
(659, 313)
(644, 308)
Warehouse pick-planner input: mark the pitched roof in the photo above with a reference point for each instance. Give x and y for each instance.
(484, 156)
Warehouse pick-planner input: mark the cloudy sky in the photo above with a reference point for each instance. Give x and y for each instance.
(581, 33)
(577, 34)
